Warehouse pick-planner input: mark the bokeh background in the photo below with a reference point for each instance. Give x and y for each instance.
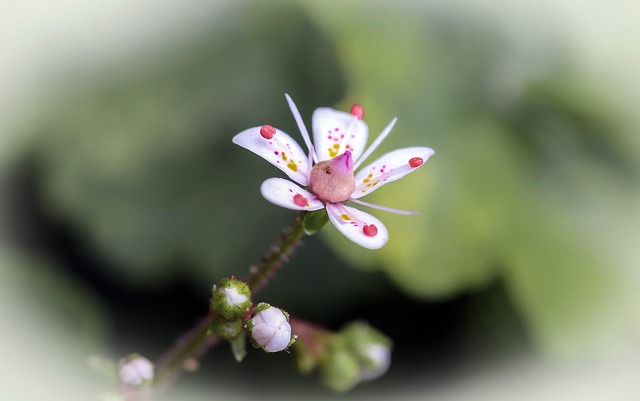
(123, 198)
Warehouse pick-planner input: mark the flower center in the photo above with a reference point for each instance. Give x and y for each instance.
(332, 180)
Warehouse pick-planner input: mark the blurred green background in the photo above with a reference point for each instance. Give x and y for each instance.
(123, 198)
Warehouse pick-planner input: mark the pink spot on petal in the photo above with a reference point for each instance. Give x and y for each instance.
(357, 111)
(370, 230)
(267, 131)
(415, 162)
(300, 200)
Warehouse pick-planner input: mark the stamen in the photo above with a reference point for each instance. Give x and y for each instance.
(344, 143)
(301, 126)
(375, 143)
(347, 217)
(267, 131)
(370, 230)
(383, 208)
(416, 162)
(357, 111)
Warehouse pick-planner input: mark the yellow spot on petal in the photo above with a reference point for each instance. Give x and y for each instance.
(293, 166)
(284, 156)
(333, 151)
(345, 217)
(365, 180)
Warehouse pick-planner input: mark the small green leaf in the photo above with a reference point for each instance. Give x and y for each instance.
(239, 346)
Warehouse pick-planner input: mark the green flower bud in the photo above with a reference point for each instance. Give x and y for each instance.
(231, 298)
(371, 348)
(340, 371)
(227, 329)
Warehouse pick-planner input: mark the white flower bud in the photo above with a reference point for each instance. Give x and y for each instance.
(371, 347)
(135, 371)
(270, 328)
(377, 358)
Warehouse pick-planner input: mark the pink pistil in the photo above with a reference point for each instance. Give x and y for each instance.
(370, 230)
(332, 180)
(357, 111)
(416, 162)
(267, 131)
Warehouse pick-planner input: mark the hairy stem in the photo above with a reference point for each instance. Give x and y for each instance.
(195, 342)
(277, 255)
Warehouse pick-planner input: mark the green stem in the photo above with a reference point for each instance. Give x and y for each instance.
(196, 342)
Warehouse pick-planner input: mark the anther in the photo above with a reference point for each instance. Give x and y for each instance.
(416, 162)
(267, 131)
(370, 230)
(300, 200)
(357, 111)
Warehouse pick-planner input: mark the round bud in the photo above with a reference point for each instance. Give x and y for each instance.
(231, 298)
(375, 361)
(270, 329)
(340, 370)
(135, 371)
(370, 347)
(227, 329)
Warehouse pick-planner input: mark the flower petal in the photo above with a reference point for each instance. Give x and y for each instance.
(360, 227)
(335, 131)
(389, 167)
(280, 150)
(285, 193)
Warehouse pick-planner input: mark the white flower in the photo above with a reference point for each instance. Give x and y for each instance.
(270, 328)
(135, 371)
(340, 139)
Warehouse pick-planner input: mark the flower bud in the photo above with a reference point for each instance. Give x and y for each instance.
(370, 347)
(135, 371)
(270, 328)
(340, 371)
(227, 329)
(231, 298)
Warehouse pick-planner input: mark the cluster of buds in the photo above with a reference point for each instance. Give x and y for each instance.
(344, 359)
(267, 326)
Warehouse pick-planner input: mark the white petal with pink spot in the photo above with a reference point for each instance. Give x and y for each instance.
(335, 132)
(388, 168)
(360, 227)
(280, 150)
(285, 193)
